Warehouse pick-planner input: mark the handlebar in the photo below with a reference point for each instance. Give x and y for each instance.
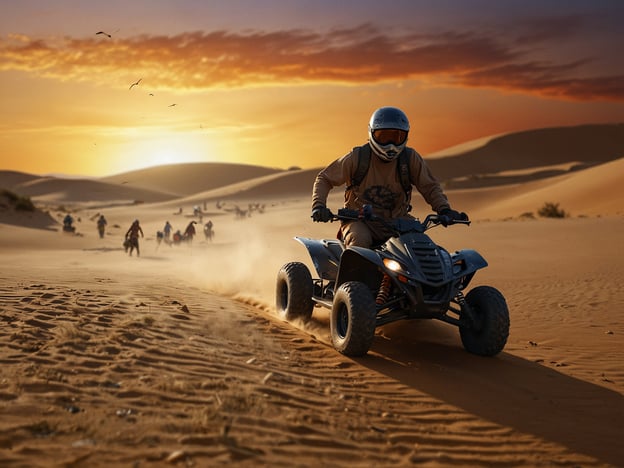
(366, 214)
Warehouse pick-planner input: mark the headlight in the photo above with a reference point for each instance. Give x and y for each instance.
(392, 264)
(395, 266)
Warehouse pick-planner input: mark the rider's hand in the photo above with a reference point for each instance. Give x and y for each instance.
(448, 215)
(322, 214)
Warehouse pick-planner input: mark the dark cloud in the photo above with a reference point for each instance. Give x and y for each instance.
(198, 60)
(556, 81)
(537, 30)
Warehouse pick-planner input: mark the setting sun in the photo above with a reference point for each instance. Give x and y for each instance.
(154, 150)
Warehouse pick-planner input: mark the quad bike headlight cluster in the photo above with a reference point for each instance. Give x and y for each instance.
(395, 266)
(392, 265)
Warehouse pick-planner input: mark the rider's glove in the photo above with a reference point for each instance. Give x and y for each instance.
(322, 214)
(448, 215)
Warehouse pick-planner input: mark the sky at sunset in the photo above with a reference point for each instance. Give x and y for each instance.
(291, 83)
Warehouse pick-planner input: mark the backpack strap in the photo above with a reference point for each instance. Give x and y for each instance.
(404, 171)
(363, 155)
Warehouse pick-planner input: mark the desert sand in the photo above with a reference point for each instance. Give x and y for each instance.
(178, 358)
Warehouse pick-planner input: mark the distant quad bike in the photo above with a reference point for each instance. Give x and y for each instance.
(208, 233)
(407, 277)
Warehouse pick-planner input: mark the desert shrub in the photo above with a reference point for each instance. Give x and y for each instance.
(551, 210)
(18, 202)
(24, 204)
(12, 197)
(527, 215)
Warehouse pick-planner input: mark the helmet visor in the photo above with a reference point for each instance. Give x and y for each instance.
(383, 136)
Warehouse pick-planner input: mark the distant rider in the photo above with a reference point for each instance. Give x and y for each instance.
(208, 230)
(101, 224)
(68, 221)
(167, 230)
(189, 232)
(132, 235)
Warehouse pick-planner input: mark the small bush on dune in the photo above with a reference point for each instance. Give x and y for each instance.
(552, 210)
(18, 202)
(9, 195)
(24, 204)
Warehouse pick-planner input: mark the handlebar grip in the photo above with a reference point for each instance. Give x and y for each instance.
(348, 213)
(366, 212)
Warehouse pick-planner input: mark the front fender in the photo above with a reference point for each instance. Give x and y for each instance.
(360, 264)
(325, 255)
(465, 263)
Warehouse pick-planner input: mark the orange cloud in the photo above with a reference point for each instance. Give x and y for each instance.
(198, 60)
(548, 80)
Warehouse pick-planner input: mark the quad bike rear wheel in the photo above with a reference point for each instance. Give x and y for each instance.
(353, 319)
(488, 334)
(293, 295)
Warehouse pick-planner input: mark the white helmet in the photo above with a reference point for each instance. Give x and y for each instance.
(387, 132)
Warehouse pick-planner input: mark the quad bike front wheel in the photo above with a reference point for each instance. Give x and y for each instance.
(293, 295)
(487, 334)
(353, 319)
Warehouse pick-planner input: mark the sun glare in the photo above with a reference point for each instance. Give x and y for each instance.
(175, 150)
(163, 156)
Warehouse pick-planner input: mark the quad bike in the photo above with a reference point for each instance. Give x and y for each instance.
(407, 277)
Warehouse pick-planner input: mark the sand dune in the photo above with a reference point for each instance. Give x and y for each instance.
(596, 191)
(56, 190)
(10, 179)
(287, 184)
(189, 178)
(590, 144)
(177, 357)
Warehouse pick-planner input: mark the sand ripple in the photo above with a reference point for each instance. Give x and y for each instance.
(168, 376)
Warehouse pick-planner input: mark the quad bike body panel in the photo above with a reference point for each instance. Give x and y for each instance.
(325, 254)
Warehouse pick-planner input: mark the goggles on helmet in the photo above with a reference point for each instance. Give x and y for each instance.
(384, 136)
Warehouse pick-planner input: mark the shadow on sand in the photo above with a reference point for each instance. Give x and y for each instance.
(507, 390)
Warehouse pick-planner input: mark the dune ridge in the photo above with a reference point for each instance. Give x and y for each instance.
(592, 144)
(189, 178)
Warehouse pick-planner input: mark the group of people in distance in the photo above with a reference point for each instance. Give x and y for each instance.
(68, 224)
(131, 237)
(178, 236)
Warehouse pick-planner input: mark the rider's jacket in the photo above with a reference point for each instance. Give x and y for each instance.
(380, 187)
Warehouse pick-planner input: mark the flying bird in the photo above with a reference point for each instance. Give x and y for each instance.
(102, 32)
(171, 105)
(135, 83)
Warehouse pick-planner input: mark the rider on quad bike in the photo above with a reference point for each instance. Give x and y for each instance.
(384, 267)
(380, 173)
